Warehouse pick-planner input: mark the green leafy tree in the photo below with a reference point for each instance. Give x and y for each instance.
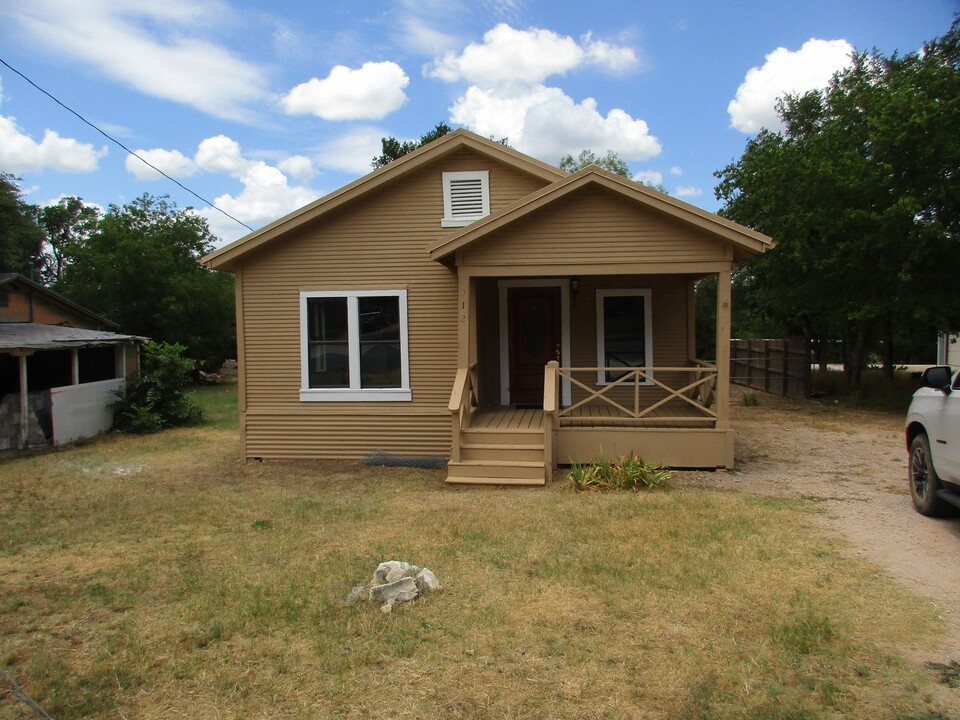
(391, 148)
(611, 161)
(21, 239)
(154, 398)
(861, 192)
(140, 268)
(67, 225)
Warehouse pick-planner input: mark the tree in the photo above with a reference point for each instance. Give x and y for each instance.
(393, 148)
(861, 193)
(66, 225)
(611, 161)
(21, 239)
(140, 268)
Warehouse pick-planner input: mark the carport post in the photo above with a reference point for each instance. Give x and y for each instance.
(24, 401)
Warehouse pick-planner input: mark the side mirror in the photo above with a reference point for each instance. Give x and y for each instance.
(937, 378)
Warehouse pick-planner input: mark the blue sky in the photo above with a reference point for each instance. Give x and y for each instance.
(264, 107)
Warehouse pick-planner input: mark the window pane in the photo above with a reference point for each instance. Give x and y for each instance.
(329, 353)
(327, 319)
(380, 360)
(623, 332)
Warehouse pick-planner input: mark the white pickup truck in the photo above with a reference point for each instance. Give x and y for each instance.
(933, 441)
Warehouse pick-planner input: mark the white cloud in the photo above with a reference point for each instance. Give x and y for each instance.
(221, 154)
(509, 57)
(419, 36)
(649, 177)
(299, 167)
(20, 153)
(784, 72)
(159, 48)
(368, 93)
(688, 191)
(676, 170)
(548, 124)
(352, 151)
(172, 162)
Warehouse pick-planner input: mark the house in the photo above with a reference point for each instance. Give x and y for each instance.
(60, 365)
(469, 300)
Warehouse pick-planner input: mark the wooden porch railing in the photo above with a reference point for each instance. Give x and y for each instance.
(698, 391)
(463, 404)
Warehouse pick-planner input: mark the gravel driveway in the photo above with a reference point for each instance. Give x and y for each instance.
(854, 463)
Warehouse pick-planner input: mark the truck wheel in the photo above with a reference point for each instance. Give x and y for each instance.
(924, 482)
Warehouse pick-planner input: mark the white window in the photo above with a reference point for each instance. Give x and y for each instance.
(353, 346)
(624, 332)
(466, 197)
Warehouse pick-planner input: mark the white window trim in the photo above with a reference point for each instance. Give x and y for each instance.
(647, 332)
(502, 287)
(354, 393)
(448, 219)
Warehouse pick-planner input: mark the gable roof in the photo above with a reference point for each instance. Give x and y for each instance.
(746, 242)
(14, 280)
(430, 152)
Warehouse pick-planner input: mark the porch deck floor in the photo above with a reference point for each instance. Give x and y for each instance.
(509, 418)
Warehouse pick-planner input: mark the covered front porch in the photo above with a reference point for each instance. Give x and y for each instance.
(579, 304)
(652, 397)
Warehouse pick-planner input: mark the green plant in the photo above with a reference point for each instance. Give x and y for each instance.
(154, 399)
(627, 472)
(750, 399)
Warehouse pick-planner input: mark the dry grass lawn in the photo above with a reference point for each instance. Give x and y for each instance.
(162, 577)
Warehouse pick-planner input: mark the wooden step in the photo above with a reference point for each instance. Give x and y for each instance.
(502, 451)
(483, 436)
(504, 469)
(459, 480)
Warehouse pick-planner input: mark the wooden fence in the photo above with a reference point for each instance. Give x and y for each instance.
(781, 367)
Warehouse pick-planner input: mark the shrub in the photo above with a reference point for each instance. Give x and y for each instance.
(627, 472)
(154, 399)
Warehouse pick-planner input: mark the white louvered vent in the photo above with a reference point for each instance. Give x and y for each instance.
(466, 197)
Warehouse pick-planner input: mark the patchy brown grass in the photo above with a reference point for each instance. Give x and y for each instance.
(162, 577)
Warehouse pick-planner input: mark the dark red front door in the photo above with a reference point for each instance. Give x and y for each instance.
(534, 328)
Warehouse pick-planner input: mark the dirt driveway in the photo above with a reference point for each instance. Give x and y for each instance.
(855, 464)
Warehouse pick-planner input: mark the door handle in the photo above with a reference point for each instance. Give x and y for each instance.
(558, 352)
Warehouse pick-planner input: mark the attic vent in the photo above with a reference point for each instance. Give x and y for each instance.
(466, 197)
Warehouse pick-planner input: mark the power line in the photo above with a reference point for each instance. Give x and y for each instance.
(120, 144)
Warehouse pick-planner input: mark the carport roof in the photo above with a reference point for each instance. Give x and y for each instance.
(33, 336)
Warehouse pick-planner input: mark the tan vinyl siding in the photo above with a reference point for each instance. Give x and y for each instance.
(614, 227)
(378, 243)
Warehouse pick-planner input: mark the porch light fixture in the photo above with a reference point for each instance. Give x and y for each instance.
(574, 286)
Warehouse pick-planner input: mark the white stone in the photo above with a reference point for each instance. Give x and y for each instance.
(400, 591)
(426, 581)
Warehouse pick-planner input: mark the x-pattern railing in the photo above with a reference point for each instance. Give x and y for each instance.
(698, 392)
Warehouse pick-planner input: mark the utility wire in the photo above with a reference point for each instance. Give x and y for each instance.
(117, 142)
(22, 696)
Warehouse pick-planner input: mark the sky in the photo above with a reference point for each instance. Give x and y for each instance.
(263, 107)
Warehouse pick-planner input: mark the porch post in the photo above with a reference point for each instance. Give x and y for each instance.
(723, 350)
(74, 366)
(692, 320)
(465, 313)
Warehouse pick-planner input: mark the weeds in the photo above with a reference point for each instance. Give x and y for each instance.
(627, 472)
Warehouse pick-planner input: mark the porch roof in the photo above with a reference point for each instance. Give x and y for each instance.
(33, 336)
(744, 241)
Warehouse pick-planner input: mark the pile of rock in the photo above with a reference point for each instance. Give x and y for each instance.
(396, 581)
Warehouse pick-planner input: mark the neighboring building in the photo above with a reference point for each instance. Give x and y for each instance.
(470, 300)
(948, 350)
(60, 366)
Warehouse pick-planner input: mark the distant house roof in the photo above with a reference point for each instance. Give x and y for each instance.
(13, 279)
(33, 336)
